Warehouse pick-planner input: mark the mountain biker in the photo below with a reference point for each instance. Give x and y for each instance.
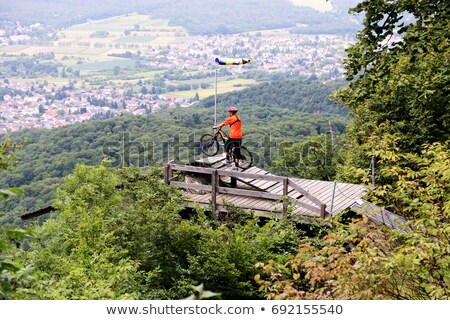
(235, 137)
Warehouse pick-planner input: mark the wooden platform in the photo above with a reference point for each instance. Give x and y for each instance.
(210, 183)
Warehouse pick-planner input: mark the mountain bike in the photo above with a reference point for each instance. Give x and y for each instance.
(209, 145)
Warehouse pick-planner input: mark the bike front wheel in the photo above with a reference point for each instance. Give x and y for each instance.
(209, 145)
(246, 160)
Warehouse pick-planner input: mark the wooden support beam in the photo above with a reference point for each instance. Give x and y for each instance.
(176, 167)
(305, 193)
(214, 187)
(244, 175)
(323, 210)
(308, 207)
(168, 172)
(249, 193)
(233, 182)
(192, 186)
(285, 195)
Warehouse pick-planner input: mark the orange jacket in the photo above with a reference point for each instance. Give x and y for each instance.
(235, 126)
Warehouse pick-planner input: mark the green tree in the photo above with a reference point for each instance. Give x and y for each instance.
(364, 261)
(78, 252)
(15, 278)
(316, 158)
(399, 73)
(119, 234)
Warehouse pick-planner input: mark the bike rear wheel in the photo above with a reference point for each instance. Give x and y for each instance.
(246, 160)
(209, 145)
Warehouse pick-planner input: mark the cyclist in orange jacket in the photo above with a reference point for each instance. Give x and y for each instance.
(235, 137)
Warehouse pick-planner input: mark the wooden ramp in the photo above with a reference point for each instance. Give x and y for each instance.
(210, 183)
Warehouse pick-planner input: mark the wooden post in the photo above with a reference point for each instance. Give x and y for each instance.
(233, 182)
(323, 207)
(285, 193)
(214, 183)
(168, 172)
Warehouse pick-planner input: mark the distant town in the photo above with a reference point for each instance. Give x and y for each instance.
(30, 104)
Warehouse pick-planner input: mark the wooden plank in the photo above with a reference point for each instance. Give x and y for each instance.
(240, 175)
(308, 207)
(261, 205)
(255, 170)
(278, 189)
(263, 185)
(341, 201)
(294, 194)
(323, 192)
(304, 183)
(249, 193)
(210, 160)
(251, 202)
(193, 186)
(234, 200)
(176, 167)
(304, 192)
(241, 201)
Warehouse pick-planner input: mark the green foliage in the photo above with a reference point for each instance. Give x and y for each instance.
(404, 80)
(118, 234)
(364, 261)
(399, 97)
(15, 279)
(201, 294)
(316, 158)
(8, 157)
(77, 252)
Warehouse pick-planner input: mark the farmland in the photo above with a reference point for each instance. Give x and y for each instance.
(96, 48)
(129, 51)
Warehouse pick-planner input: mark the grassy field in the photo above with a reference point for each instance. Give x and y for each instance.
(223, 86)
(124, 33)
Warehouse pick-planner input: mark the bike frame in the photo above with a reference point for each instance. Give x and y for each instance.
(223, 135)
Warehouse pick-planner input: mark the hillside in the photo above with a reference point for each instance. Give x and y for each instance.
(154, 139)
(198, 17)
(302, 96)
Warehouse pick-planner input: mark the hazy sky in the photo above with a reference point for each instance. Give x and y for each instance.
(320, 5)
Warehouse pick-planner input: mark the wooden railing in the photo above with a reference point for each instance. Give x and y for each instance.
(215, 189)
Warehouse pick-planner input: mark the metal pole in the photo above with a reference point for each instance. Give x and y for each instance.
(332, 198)
(215, 100)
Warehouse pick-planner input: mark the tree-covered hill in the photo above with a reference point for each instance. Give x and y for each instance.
(303, 96)
(49, 155)
(198, 17)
